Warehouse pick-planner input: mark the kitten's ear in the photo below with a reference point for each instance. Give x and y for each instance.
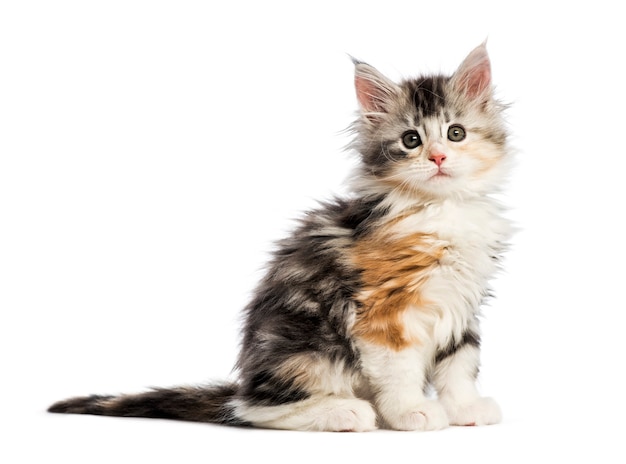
(373, 90)
(474, 75)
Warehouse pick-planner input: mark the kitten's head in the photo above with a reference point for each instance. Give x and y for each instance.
(434, 136)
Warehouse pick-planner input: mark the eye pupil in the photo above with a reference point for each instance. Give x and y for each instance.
(456, 133)
(411, 140)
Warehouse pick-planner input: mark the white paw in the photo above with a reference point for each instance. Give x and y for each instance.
(348, 416)
(429, 415)
(483, 411)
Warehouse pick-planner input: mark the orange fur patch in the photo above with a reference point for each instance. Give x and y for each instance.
(392, 270)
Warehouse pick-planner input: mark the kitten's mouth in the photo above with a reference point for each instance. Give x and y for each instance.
(440, 174)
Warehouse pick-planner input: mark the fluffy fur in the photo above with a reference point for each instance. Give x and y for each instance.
(374, 297)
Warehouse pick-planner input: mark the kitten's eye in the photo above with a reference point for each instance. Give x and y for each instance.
(411, 140)
(456, 133)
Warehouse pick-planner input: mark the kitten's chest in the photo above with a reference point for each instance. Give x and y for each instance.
(471, 237)
(470, 229)
(427, 278)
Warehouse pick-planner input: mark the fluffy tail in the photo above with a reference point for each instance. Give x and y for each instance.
(197, 404)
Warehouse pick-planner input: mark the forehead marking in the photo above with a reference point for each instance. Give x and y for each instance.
(428, 95)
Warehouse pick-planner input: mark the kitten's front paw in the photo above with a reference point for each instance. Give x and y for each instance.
(483, 411)
(429, 415)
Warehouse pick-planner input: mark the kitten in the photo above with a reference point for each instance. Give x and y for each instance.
(375, 297)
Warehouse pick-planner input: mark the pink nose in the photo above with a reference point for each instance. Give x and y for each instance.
(437, 158)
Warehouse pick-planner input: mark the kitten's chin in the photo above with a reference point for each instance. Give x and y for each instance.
(440, 176)
(441, 181)
(441, 185)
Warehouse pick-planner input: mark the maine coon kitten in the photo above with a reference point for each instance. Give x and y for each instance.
(375, 296)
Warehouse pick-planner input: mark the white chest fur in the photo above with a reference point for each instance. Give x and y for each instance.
(472, 234)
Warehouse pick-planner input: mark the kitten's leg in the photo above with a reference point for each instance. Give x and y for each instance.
(304, 392)
(397, 379)
(318, 413)
(455, 381)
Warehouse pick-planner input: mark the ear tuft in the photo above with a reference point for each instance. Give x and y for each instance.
(474, 75)
(373, 90)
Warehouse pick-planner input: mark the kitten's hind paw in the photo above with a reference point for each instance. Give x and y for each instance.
(353, 416)
(483, 411)
(327, 414)
(429, 415)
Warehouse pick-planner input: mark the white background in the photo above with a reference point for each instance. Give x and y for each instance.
(151, 152)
